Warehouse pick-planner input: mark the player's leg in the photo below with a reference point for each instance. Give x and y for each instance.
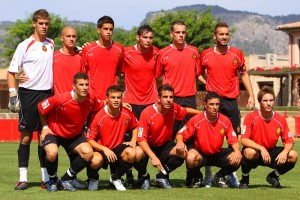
(193, 164)
(140, 164)
(92, 170)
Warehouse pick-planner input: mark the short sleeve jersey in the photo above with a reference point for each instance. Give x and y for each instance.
(266, 132)
(66, 116)
(222, 71)
(64, 68)
(101, 64)
(108, 130)
(139, 70)
(209, 136)
(179, 68)
(156, 128)
(35, 60)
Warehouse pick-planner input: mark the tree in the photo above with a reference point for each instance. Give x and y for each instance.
(199, 26)
(22, 29)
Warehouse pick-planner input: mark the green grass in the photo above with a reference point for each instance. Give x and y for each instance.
(259, 188)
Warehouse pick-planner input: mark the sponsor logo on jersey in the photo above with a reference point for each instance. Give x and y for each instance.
(140, 132)
(278, 130)
(194, 56)
(182, 129)
(233, 134)
(222, 131)
(289, 134)
(44, 48)
(243, 131)
(235, 61)
(45, 104)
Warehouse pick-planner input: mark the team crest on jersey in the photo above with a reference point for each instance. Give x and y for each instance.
(45, 104)
(140, 132)
(194, 56)
(44, 48)
(222, 131)
(155, 56)
(126, 122)
(278, 130)
(243, 131)
(235, 61)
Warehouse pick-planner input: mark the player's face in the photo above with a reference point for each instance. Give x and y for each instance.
(222, 36)
(166, 99)
(68, 37)
(145, 40)
(114, 100)
(212, 107)
(41, 26)
(106, 32)
(267, 103)
(81, 87)
(178, 34)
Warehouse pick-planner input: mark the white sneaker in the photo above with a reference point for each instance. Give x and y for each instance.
(233, 180)
(118, 184)
(93, 184)
(208, 181)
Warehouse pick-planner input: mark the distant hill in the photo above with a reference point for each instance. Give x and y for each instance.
(255, 33)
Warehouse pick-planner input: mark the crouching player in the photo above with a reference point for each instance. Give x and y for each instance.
(208, 130)
(106, 136)
(259, 137)
(63, 117)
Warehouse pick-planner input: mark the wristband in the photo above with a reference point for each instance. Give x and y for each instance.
(45, 127)
(11, 89)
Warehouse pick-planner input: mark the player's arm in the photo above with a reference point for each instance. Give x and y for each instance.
(192, 111)
(111, 156)
(132, 142)
(155, 161)
(44, 121)
(246, 142)
(180, 145)
(202, 79)
(247, 83)
(282, 157)
(236, 156)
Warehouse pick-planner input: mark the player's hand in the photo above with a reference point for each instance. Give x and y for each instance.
(127, 105)
(131, 144)
(251, 103)
(85, 45)
(45, 132)
(281, 158)
(265, 156)
(14, 102)
(111, 156)
(23, 78)
(235, 158)
(156, 163)
(180, 147)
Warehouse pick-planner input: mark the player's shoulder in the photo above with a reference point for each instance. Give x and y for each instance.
(58, 53)
(155, 49)
(278, 116)
(191, 47)
(50, 40)
(234, 49)
(165, 49)
(129, 49)
(116, 44)
(208, 50)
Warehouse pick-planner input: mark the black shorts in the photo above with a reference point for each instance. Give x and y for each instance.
(217, 159)
(68, 144)
(190, 102)
(118, 151)
(29, 118)
(229, 107)
(273, 154)
(163, 152)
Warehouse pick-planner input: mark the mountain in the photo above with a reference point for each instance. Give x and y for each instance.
(254, 33)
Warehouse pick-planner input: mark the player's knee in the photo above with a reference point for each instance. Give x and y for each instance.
(51, 155)
(96, 161)
(129, 156)
(139, 154)
(250, 154)
(86, 151)
(292, 156)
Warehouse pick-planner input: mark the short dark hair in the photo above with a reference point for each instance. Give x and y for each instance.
(113, 88)
(105, 20)
(177, 22)
(211, 95)
(220, 25)
(144, 28)
(265, 90)
(40, 14)
(80, 75)
(165, 87)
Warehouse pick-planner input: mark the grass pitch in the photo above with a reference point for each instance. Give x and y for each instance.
(258, 188)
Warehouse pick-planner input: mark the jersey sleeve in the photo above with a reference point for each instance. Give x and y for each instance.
(242, 66)
(98, 104)
(202, 64)
(47, 105)
(158, 67)
(16, 61)
(93, 134)
(231, 134)
(84, 64)
(133, 122)
(180, 112)
(143, 128)
(187, 131)
(246, 129)
(286, 135)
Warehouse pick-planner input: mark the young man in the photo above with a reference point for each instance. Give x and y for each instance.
(63, 117)
(259, 137)
(33, 56)
(139, 66)
(106, 136)
(101, 60)
(209, 129)
(155, 134)
(222, 64)
(179, 66)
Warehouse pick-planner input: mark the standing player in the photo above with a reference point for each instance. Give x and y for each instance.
(33, 56)
(222, 64)
(260, 134)
(140, 84)
(101, 60)
(208, 130)
(63, 117)
(155, 134)
(107, 139)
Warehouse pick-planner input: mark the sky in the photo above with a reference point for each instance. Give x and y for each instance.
(129, 13)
